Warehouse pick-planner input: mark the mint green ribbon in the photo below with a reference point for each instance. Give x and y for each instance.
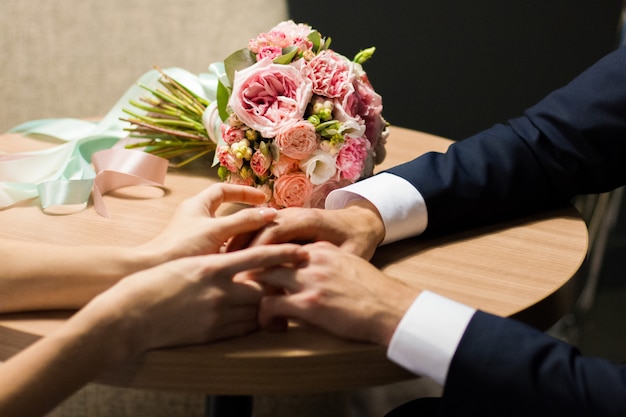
(63, 175)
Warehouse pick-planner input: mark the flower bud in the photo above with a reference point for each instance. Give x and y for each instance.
(364, 55)
(318, 106)
(241, 149)
(252, 134)
(245, 172)
(314, 119)
(223, 173)
(325, 114)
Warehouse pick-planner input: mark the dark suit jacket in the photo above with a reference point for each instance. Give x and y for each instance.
(572, 142)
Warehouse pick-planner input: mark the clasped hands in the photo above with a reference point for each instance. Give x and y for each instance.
(323, 278)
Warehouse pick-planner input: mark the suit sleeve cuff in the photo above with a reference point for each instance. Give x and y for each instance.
(400, 205)
(428, 335)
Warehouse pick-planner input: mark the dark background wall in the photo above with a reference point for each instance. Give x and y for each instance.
(453, 68)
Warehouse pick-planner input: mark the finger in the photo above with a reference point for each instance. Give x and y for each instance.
(241, 241)
(277, 278)
(299, 226)
(258, 257)
(321, 245)
(276, 308)
(220, 193)
(237, 321)
(243, 221)
(285, 231)
(242, 293)
(323, 251)
(242, 194)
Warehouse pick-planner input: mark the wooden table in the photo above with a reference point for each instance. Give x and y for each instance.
(525, 268)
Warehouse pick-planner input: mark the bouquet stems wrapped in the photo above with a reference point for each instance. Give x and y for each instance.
(172, 124)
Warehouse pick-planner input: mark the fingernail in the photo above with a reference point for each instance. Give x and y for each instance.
(268, 213)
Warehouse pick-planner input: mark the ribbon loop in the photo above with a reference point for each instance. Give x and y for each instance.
(62, 176)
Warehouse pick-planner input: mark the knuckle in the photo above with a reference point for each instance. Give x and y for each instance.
(313, 298)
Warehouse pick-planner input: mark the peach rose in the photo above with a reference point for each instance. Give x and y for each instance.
(292, 190)
(283, 165)
(297, 140)
(265, 95)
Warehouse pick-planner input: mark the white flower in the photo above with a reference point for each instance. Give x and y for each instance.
(320, 167)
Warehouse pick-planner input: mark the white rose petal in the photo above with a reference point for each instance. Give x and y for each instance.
(319, 168)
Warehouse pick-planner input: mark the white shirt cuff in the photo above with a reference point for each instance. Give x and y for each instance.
(428, 335)
(400, 205)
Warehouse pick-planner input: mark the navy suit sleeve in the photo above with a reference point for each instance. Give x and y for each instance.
(505, 368)
(572, 142)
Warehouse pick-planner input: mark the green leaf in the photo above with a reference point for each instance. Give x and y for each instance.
(236, 61)
(316, 38)
(326, 44)
(287, 56)
(223, 94)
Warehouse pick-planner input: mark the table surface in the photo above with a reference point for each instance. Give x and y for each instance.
(525, 268)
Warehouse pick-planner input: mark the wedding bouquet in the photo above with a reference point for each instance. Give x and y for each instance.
(295, 118)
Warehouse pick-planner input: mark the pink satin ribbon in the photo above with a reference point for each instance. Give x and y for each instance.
(118, 167)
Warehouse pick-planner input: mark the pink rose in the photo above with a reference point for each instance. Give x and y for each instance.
(283, 165)
(270, 52)
(349, 102)
(360, 110)
(351, 158)
(284, 34)
(260, 162)
(292, 190)
(346, 110)
(297, 140)
(228, 159)
(275, 39)
(379, 151)
(265, 96)
(231, 135)
(370, 109)
(331, 74)
(293, 30)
